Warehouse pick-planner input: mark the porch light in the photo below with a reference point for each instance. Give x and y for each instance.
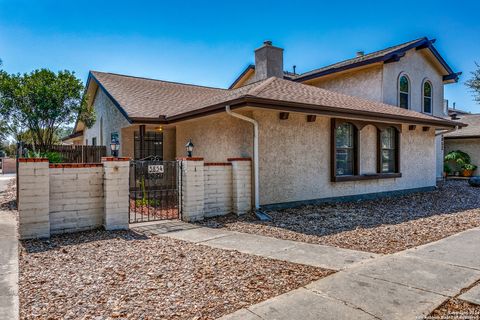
(114, 147)
(159, 129)
(189, 146)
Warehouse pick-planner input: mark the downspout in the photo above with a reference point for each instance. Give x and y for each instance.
(446, 131)
(256, 183)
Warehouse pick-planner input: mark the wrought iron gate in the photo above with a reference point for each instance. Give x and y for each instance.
(154, 192)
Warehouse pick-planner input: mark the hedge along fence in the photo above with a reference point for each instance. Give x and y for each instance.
(76, 153)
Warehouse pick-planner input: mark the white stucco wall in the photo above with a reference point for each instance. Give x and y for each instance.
(113, 121)
(365, 83)
(417, 68)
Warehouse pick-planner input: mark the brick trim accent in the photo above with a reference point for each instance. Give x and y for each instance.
(32, 160)
(239, 159)
(190, 158)
(217, 164)
(104, 159)
(75, 165)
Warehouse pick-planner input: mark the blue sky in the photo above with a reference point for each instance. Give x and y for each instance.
(210, 42)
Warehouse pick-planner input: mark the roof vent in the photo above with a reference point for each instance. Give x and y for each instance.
(267, 42)
(453, 116)
(360, 53)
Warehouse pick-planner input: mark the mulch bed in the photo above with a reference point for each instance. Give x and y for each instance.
(104, 275)
(381, 226)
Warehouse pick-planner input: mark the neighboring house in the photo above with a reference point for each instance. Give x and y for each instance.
(466, 139)
(313, 143)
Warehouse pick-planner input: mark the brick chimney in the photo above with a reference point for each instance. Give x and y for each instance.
(268, 62)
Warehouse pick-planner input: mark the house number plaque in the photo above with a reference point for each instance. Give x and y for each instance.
(155, 168)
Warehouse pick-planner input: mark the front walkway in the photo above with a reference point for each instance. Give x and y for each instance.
(287, 250)
(405, 285)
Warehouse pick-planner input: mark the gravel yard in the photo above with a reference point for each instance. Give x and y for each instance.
(380, 226)
(456, 309)
(104, 275)
(8, 197)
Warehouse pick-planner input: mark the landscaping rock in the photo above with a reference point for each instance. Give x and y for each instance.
(384, 225)
(474, 181)
(127, 275)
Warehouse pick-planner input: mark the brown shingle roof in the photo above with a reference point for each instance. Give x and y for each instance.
(149, 98)
(472, 130)
(146, 98)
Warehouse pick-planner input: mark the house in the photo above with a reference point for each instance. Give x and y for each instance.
(467, 139)
(360, 127)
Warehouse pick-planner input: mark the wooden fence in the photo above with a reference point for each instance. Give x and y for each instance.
(79, 153)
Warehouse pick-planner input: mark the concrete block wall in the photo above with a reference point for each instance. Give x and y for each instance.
(59, 198)
(213, 189)
(76, 197)
(9, 165)
(116, 193)
(218, 189)
(33, 195)
(241, 185)
(192, 189)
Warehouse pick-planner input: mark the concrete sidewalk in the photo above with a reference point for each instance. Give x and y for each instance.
(292, 251)
(9, 305)
(405, 285)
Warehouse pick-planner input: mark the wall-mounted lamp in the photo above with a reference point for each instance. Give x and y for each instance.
(114, 147)
(189, 146)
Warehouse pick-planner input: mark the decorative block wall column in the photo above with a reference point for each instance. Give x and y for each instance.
(116, 192)
(192, 188)
(242, 185)
(33, 194)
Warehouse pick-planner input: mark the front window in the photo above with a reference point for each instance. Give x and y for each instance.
(388, 150)
(152, 145)
(345, 145)
(403, 92)
(427, 97)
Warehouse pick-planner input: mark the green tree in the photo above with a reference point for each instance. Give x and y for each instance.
(41, 103)
(474, 83)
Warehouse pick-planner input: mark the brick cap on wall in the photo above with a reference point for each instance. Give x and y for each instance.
(32, 160)
(115, 159)
(75, 165)
(217, 164)
(190, 158)
(239, 159)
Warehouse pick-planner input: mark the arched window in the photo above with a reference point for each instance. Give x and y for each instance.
(427, 97)
(403, 92)
(388, 143)
(345, 149)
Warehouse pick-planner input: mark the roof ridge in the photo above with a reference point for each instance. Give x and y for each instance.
(261, 86)
(159, 80)
(365, 55)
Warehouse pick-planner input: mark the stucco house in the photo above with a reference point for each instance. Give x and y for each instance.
(466, 139)
(364, 126)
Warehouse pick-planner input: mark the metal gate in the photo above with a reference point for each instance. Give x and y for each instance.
(154, 192)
